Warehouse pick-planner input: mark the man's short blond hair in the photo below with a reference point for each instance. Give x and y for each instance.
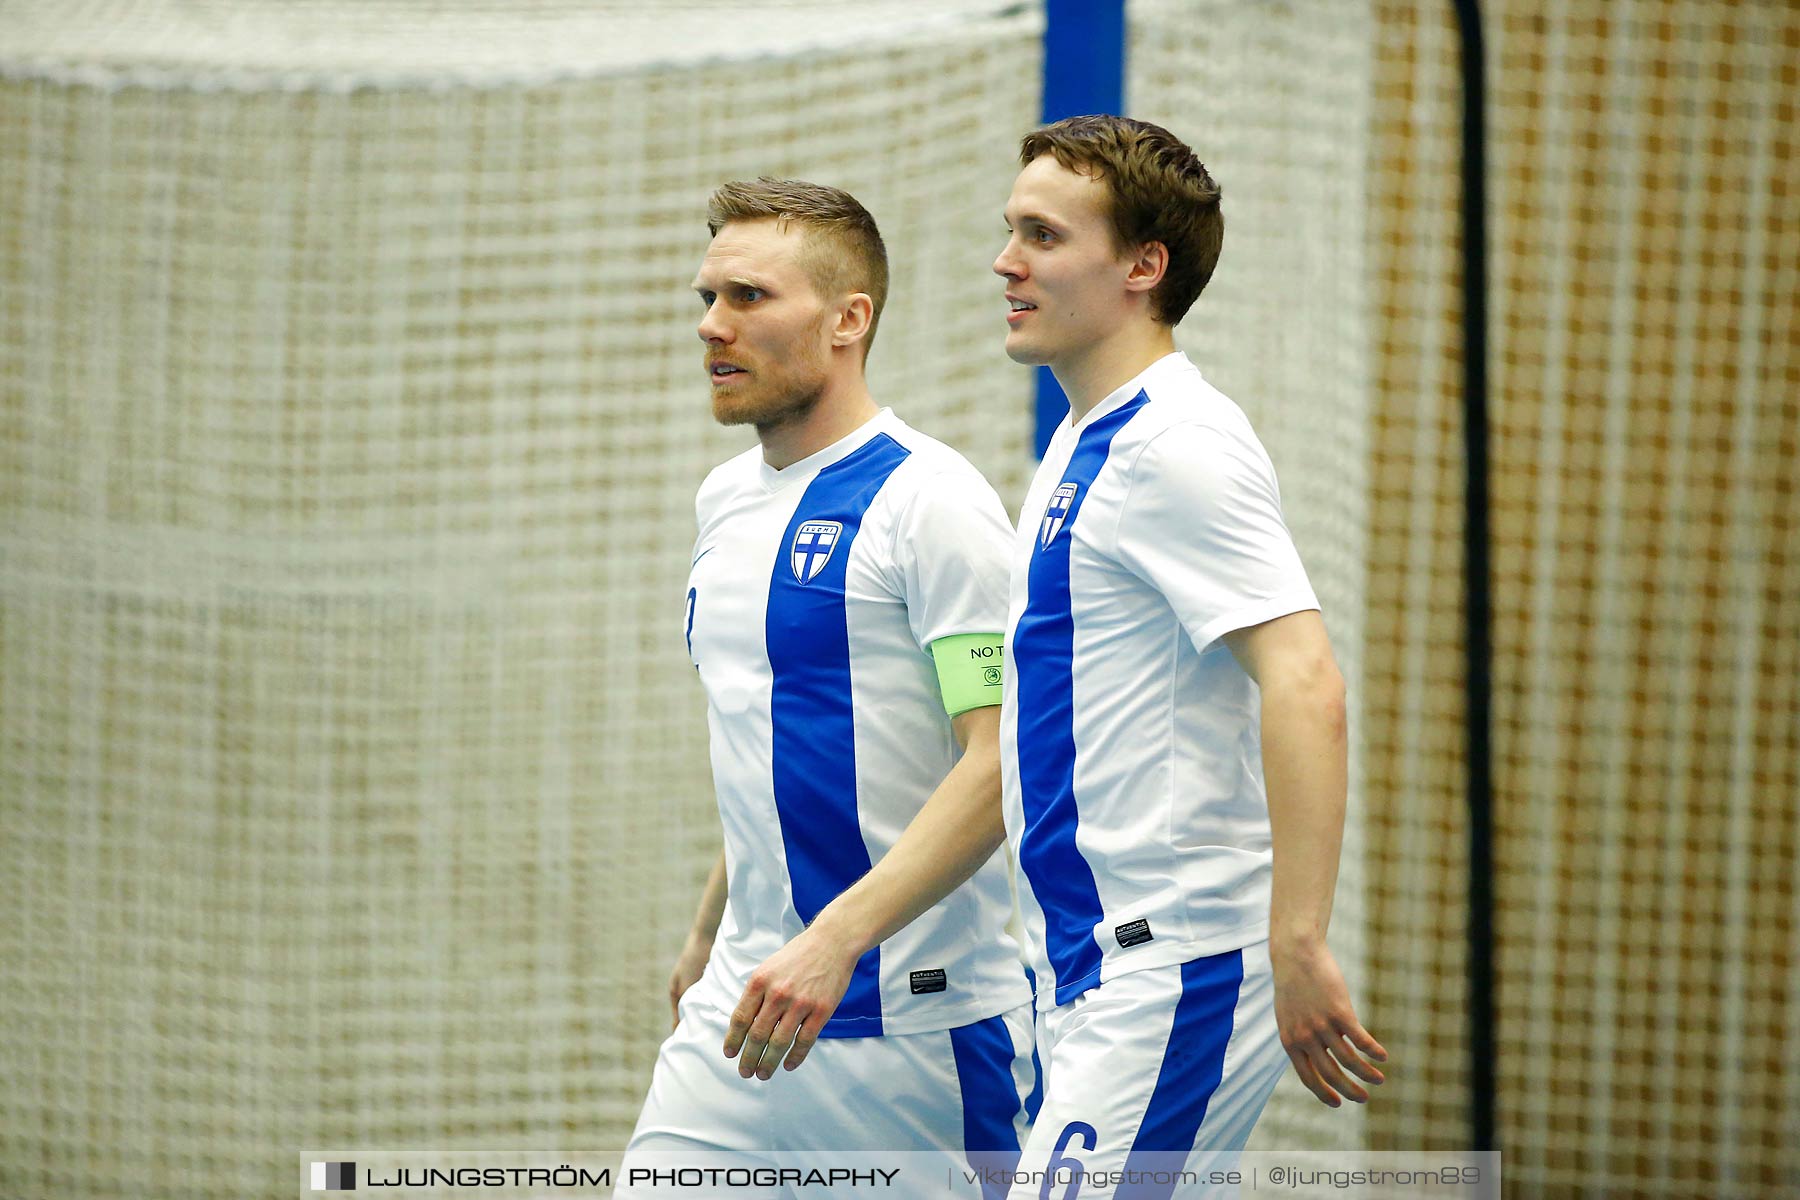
(844, 252)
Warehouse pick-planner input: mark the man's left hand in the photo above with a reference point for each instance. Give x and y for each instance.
(1318, 1024)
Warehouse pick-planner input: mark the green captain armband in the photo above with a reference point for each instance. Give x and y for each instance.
(968, 666)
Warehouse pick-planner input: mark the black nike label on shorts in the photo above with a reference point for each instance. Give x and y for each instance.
(928, 981)
(1134, 934)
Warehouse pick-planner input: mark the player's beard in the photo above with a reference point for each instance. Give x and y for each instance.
(772, 396)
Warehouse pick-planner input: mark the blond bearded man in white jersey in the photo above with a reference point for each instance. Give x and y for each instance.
(1173, 735)
(847, 589)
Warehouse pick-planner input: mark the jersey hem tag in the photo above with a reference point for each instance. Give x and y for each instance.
(1136, 933)
(928, 981)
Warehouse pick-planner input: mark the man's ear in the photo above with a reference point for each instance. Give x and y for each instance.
(854, 319)
(1148, 268)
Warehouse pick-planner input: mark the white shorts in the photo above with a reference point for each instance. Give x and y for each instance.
(973, 1088)
(1156, 1070)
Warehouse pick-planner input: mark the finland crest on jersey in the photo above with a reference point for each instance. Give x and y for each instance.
(813, 543)
(1057, 512)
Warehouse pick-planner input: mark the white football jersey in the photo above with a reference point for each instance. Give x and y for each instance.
(815, 595)
(1130, 736)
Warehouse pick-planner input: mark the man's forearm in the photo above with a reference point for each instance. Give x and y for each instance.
(957, 830)
(712, 905)
(1305, 769)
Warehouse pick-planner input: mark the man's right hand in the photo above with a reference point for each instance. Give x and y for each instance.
(689, 966)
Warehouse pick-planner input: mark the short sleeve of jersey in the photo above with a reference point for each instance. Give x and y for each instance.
(1202, 524)
(952, 548)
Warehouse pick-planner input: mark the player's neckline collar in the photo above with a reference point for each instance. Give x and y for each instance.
(1174, 360)
(818, 460)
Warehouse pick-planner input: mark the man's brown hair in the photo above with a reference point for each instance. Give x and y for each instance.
(844, 252)
(1160, 193)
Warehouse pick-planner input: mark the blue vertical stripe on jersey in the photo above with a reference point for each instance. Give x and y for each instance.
(990, 1099)
(814, 732)
(1193, 1064)
(1044, 653)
